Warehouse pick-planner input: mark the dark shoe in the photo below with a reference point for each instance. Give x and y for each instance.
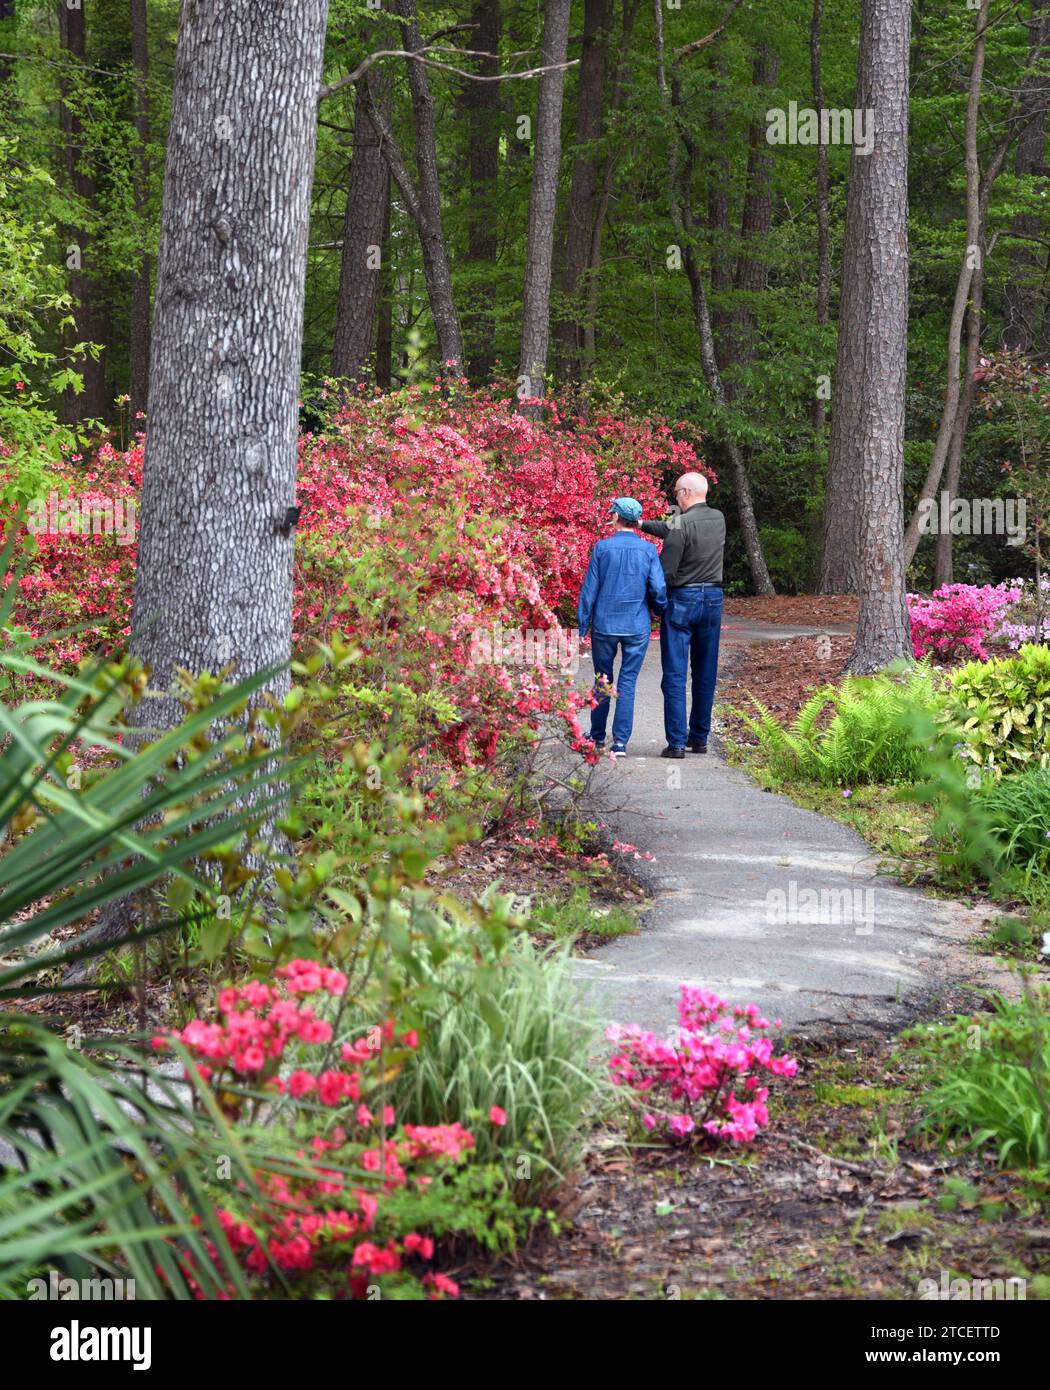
(619, 750)
(670, 752)
(695, 746)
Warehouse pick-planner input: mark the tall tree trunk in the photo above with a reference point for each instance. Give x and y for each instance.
(719, 182)
(481, 101)
(140, 295)
(585, 188)
(427, 200)
(214, 576)
(91, 318)
(543, 207)
(1022, 294)
(818, 411)
(364, 224)
(877, 254)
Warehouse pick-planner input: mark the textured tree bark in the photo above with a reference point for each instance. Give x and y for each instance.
(719, 182)
(1023, 292)
(214, 578)
(428, 200)
(367, 200)
(877, 253)
(91, 317)
(543, 206)
(585, 188)
(481, 104)
(140, 295)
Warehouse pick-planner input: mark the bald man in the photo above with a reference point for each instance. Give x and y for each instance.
(690, 630)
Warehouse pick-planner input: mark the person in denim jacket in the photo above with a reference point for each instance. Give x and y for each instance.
(624, 581)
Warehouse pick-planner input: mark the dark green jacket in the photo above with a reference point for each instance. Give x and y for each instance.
(693, 544)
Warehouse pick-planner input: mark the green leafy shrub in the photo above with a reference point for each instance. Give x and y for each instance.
(1003, 709)
(989, 1081)
(788, 557)
(852, 733)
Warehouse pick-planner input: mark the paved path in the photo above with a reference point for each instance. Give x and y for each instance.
(752, 896)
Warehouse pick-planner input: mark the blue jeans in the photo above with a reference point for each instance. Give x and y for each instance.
(690, 631)
(603, 650)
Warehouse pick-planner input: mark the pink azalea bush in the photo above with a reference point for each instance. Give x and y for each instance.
(707, 1081)
(332, 1219)
(958, 619)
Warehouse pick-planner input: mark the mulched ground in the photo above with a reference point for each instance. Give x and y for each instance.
(796, 610)
(780, 675)
(840, 1199)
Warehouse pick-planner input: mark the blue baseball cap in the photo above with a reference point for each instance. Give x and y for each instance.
(627, 509)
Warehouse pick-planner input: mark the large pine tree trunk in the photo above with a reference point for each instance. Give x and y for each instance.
(214, 577)
(90, 314)
(585, 188)
(140, 294)
(543, 206)
(364, 225)
(876, 253)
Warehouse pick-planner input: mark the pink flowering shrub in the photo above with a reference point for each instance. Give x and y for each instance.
(336, 1213)
(958, 619)
(708, 1081)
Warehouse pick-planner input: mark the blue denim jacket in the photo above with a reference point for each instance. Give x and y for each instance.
(623, 580)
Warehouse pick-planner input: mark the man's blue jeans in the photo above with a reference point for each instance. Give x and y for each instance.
(603, 650)
(689, 632)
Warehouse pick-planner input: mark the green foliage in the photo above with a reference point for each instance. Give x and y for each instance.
(508, 1032)
(850, 734)
(1018, 814)
(989, 1079)
(788, 558)
(1002, 707)
(578, 915)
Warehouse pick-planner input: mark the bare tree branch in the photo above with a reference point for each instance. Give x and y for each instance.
(418, 57)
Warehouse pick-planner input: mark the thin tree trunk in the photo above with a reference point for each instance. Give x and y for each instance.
(971, 256)
(385, 312)
(214, 577)
(1023, 291)
(90, 314)
(878, 254)
(943, 563)
(719, 182)
(428, 200)
(543, 207)
(481, 101)
(594, 260)
(367, 199)
(585, 188)
(140, 295)
(680, 174)
(755, 221)
(818, 413)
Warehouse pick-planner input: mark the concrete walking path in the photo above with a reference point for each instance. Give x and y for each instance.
(754, 897)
